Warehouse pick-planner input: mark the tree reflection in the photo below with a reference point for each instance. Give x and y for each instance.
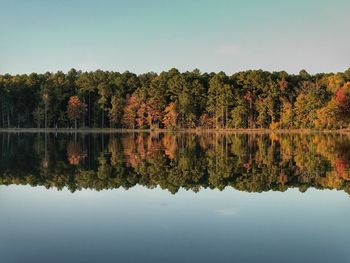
(247, 162)
(75, 152)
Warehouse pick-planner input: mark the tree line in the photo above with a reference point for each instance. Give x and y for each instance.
(173, 99)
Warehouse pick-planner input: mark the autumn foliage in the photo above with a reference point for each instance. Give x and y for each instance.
(75, 108)
(170, 116)
(248, 99)
(336, 114)
(342, 97)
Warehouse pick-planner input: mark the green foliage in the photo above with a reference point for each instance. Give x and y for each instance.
(248, 99)
(306, 106)
(287, 115)
(39, 116)
(239, 116)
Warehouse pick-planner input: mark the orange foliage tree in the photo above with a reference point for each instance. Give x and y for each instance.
(130, 112)
(139, 113)
(141, 120)
(170, 116)
(153, 113)
(75, 108)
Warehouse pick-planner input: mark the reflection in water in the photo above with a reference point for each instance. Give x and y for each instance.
(247, 162)
(75, 152)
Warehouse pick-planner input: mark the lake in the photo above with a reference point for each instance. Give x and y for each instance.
(186, 197)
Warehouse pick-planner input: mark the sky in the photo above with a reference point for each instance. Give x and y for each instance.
(156, 35)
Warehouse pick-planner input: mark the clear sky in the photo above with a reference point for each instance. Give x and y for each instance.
(155, 35)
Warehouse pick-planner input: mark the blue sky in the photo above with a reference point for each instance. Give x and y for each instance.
(155, 35)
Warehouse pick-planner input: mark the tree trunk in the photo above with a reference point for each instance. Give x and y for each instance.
(3, 116)
(8, 119)
(226, 116)
(222, 117)
(103, 118)
(89, 116)
(45, 115)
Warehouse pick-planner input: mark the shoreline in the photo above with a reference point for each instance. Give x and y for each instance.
(198, 130)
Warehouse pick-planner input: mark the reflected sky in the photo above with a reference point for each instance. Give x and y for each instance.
(152, 225)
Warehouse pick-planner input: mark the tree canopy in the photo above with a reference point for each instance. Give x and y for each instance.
(247, 99)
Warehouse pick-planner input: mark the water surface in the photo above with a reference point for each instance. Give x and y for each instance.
(140, 197)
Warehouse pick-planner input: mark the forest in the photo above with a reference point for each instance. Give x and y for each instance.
(175, 100)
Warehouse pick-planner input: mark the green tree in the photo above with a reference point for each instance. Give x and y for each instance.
(219, 99)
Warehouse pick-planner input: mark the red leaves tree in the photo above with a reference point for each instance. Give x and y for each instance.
(342, 97)
(75, 108)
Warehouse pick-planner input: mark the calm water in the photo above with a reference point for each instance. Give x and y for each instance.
(166, 198)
